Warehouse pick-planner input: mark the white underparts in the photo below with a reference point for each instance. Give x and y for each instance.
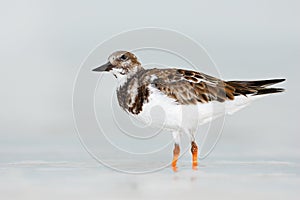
(162, 110)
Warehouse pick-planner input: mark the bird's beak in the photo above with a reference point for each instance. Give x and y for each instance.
(106, 67)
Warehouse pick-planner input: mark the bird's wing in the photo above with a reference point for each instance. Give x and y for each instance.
(190, 87)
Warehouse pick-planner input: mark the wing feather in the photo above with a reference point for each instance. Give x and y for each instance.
(189, 87)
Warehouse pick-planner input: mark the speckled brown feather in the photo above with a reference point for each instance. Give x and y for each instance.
(186, 87)
(194, 87)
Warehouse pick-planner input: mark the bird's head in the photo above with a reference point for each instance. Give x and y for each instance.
(121, 64)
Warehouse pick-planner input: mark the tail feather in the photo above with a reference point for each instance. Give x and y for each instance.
(259, 83)
(269, 91)
(259, 87)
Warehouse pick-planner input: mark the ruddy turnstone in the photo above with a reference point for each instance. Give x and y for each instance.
(179, 92)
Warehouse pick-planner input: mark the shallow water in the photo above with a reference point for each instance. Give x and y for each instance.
(215, 178)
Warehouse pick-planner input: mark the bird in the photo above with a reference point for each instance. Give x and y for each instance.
(188, 98)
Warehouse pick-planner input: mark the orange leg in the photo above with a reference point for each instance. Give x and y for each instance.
(176, 153)
(194, 150)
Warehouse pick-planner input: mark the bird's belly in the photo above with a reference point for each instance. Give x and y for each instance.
(162, 111)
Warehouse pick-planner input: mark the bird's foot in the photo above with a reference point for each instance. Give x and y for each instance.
(194, 150)
(176, 153)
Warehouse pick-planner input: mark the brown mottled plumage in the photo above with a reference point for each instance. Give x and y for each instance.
(187, 87)
(184, 86)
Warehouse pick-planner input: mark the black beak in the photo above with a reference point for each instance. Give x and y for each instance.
(104, 68)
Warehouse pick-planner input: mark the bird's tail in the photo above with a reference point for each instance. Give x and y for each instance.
(259, 87)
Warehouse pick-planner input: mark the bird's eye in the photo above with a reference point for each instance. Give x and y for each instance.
(123, 57)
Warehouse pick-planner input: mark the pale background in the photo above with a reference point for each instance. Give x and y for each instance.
(42, 46)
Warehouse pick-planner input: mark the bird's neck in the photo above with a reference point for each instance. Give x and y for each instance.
(123, 78)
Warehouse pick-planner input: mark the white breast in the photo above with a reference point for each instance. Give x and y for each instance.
(160, 110)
